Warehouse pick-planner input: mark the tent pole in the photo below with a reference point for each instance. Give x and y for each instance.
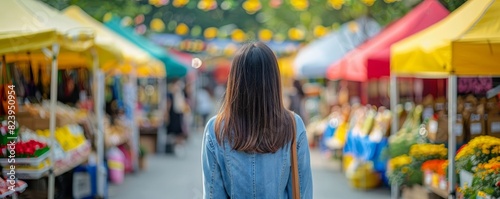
(394, 124)
(162, 134)
(452, 142)
(394, 103)
(98, 109)
(135, 130)
(52, 124)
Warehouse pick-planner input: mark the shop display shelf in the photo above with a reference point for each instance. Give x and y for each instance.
(28, 174)
(74, 158)
(26, 161)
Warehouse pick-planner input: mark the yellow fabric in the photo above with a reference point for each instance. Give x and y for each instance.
(286, 66)
(26, 41)
(480, 46)
(430, 51)
(133, 54)
(34, 23)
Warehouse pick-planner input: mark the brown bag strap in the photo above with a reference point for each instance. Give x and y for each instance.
(295, 164)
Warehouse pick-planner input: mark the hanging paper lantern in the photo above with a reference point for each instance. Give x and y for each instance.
(200, 46)
(157, 25)
(296, 34)
(227, 5)
(210, 33)
(300, 5)
(108, 16)
(126, 21)
(265, 35)
(336, 4)
(252, 6)
(207, 5)
(172, 25)
(320, 31)
(369, 2)
(196, 31)
(180, 3)
(238, 35)
(141, 29)
(139, 19)
(182, 29)
(158, 3)
(275, 3)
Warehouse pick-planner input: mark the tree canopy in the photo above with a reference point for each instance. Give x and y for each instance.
(308, 18)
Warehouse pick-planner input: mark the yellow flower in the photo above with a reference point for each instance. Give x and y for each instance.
(486, 151)
(404, 169)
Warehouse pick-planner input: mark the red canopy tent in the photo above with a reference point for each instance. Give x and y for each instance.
(371, 59)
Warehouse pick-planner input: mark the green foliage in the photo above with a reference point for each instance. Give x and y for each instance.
(98, 8)
(279, 20)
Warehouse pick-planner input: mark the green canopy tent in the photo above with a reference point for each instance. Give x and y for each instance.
(173, 67)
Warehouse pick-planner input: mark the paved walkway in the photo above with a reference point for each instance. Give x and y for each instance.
(172, 177)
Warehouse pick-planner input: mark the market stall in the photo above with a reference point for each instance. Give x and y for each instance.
(354, 66)
(431, 53)
(138, 64)
(313, 60)
(34, 33)
(173, 67)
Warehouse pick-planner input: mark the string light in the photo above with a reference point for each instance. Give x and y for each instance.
(157, 25)
(265, 35)
(210, 33)
(336, 4)
(182, 29)
(369, 2)
(252, 6)
(300, 5)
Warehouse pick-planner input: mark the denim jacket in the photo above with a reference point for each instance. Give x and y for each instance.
(228, 173)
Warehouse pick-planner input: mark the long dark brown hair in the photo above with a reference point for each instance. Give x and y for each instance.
(252, 117)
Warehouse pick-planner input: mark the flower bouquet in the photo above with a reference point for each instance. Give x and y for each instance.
(478, 150)
(439, 167)
(486, 180)
(406, 169)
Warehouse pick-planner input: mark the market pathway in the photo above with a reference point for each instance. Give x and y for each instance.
(172, 177)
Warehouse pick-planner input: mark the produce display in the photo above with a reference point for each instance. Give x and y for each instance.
(480, 158)
(69, 137)
(406, 169)
(44, 164)
(6, 189)
(116, 134)
(408, 135)
(29, 149)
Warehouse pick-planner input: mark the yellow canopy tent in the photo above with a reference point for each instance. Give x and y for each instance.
(33, 25)
(480, 45)
(146, 65)
(472, 31)
(466, 43)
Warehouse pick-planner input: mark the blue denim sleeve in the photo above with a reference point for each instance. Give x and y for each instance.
(305, 175)
(213, 186)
